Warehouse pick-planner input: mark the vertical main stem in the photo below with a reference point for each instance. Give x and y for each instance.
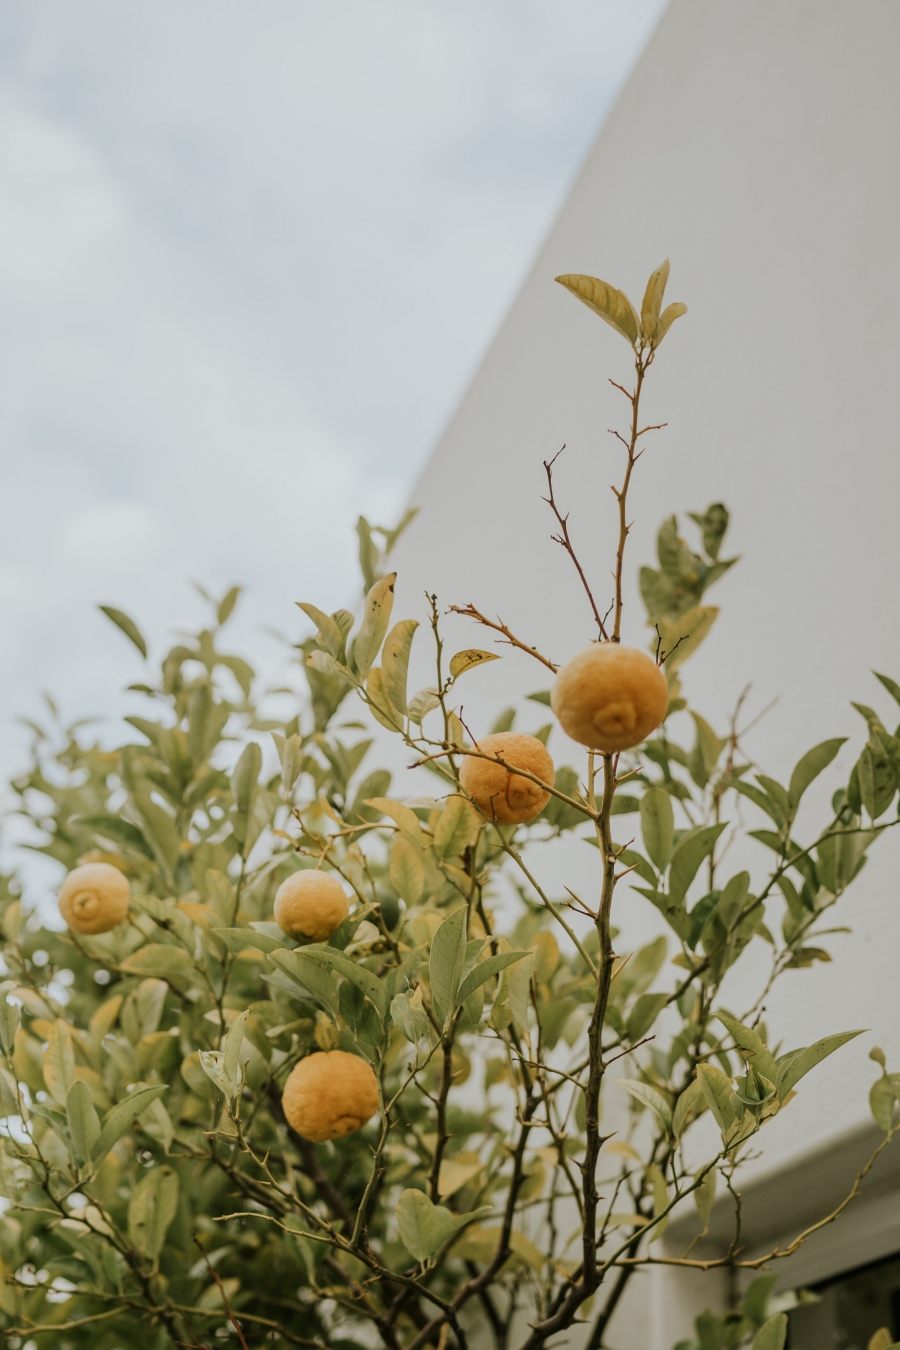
(606, 956)
(597, 1068)
(622, 494)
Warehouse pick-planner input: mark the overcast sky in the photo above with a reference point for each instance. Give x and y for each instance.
(249, 256)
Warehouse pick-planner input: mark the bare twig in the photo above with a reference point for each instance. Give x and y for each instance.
(470, 612)
(563, 539)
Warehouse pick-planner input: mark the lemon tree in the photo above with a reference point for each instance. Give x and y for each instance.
(309, 1062)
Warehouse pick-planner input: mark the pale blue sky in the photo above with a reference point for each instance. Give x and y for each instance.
(249, 257)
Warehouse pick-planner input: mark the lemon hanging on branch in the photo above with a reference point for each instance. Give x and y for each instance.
(330, 1094)
(310, 906)
(504, 797)
(609, 697)
(94, 898)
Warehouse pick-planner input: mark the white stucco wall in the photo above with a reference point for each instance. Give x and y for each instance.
(758, 146)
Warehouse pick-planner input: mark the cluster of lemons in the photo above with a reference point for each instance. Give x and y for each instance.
(608, 697)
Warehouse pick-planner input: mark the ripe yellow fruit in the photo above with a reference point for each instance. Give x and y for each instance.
(506, 797)
(610, 697)
(310, 905)
(330, 1094)
(94, 898)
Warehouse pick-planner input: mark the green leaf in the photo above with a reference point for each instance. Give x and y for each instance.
(718, 1092)
(877, 782)
(422, 703)
(704, 1196)
(682, 636)
(881, 1101)
(747, 1040)
(690, 852)
(407, 871)
(705, 754)
(468, 660)
(691, 1103)
(236, 939)
(810, 765)
(329, 636)
(245, 779)
(233, 1042)
(778, 796)
(409, 1017)
(395, 661)
(457, 827)
(227, 604)
(657, 825)
(307, 973)
(151, 1210)
(425, 1227)
(755, 795)
(644, 1013)
(59, 1062)
(84, 1123)
(127, 626)
(364, 979)
(115, 828)
(772, 1334)
(660, 1200)
(652, 302)
(519, 988)
(448, 953)
(648, 1096)
(160, 831)
(121, 1116)
(756, 1299)
(612, 305)
(401, 815)
(672, 910)
(714, 524)
(799, 1065)
(483, 971)
(375, 620)
(890, 685)
(10, 1018)
(162, 961)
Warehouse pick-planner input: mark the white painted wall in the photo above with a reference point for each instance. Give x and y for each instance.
(758, 146)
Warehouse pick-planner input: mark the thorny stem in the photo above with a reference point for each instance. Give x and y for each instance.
(498, 626)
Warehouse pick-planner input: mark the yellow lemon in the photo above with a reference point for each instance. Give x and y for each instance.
(94, 898)
(506, 797)
(610, 697)
(330, 1094)
(310, 905)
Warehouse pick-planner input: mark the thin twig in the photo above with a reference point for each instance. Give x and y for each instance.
(563, 539)
(470, 612)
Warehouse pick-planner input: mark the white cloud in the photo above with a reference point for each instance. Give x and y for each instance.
(248, 256)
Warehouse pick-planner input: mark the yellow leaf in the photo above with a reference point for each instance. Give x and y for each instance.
(202, 915)
(882, 1340)
(612, 305)
(652, 303)
(525, 1249)
(455, 1174)
(623, 1150)
(379, 704)
(667, 318)
(468, 659)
